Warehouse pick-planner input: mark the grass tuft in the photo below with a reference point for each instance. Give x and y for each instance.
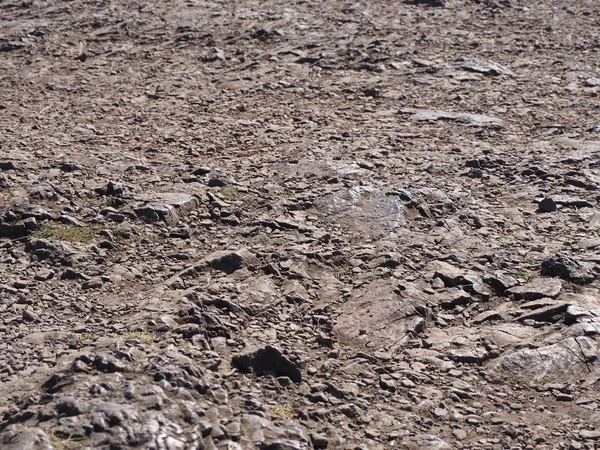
(143, 337)
(69, 233)
(282, 411)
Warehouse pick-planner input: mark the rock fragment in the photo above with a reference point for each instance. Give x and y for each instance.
(537, 288)
(568, 269)
(267, 360)
(229, 261)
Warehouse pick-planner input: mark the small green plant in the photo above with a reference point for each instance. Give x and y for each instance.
(282, 411)
(143, 337)
(85, 337)
(122, 233)
(229, 193)
(69, 443)
(341, 272)
(521, 273)
(69, 233)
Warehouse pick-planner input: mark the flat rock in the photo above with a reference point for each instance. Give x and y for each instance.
(537, 288)
(380, 314)
(567, 361)
(363, 209)
(483, 67)
(425, 442)
(474, 120)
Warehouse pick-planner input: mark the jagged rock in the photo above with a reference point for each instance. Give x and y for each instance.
(48, 249)
(568, 269)
(568, 360)
(43, 191)
(500, 281)
(167, 207)
(451, 276)
(229, 261)
(484, 67)
(29, 439)
(537, 288)
(267, 360)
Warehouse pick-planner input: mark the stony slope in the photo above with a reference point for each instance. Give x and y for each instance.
(294, 225)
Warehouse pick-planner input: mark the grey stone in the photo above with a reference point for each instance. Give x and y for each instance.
(547, 205)
(425, 442)
(537, 288)
(567, 361)
(475, 120)
(381, 314)
(568, 269)
(167, 207)
(229, 261)
(267, 360)
(29, 439)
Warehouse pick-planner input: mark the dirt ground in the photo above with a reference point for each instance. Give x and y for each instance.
(296, 225)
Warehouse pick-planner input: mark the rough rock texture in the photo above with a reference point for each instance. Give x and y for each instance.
(299, 225)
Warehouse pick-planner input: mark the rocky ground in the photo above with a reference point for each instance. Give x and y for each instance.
(297, 225)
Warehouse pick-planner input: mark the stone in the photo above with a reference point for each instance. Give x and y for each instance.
(229, 261)
(536, 288)
(568, 269)
(547, 205)
(500, 281)
(567, 361)
(474, 120)
(168, 207)
(266, 360)
(381, 314)
(425, 442)
(29, 439)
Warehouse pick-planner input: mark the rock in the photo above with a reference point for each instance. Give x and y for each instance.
(31, 316)
(500, 281)
(108, 363)
(92, 283)
(319, 441)
(44, 249)
(568, 269)
(43, 191)
(229, 261)
(363, 209)
(566, 361)
(435, 3)
(29, 439)
(380, 314)
(565, 200)
(13, 230)
(267, 360)
(589, 434)
(425, 442)
(537, 288)
(167, 207)
(451, 276)
(547, 205)
(484, 67)
(474, 120)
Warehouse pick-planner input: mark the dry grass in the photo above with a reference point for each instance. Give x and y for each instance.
(282, 411)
